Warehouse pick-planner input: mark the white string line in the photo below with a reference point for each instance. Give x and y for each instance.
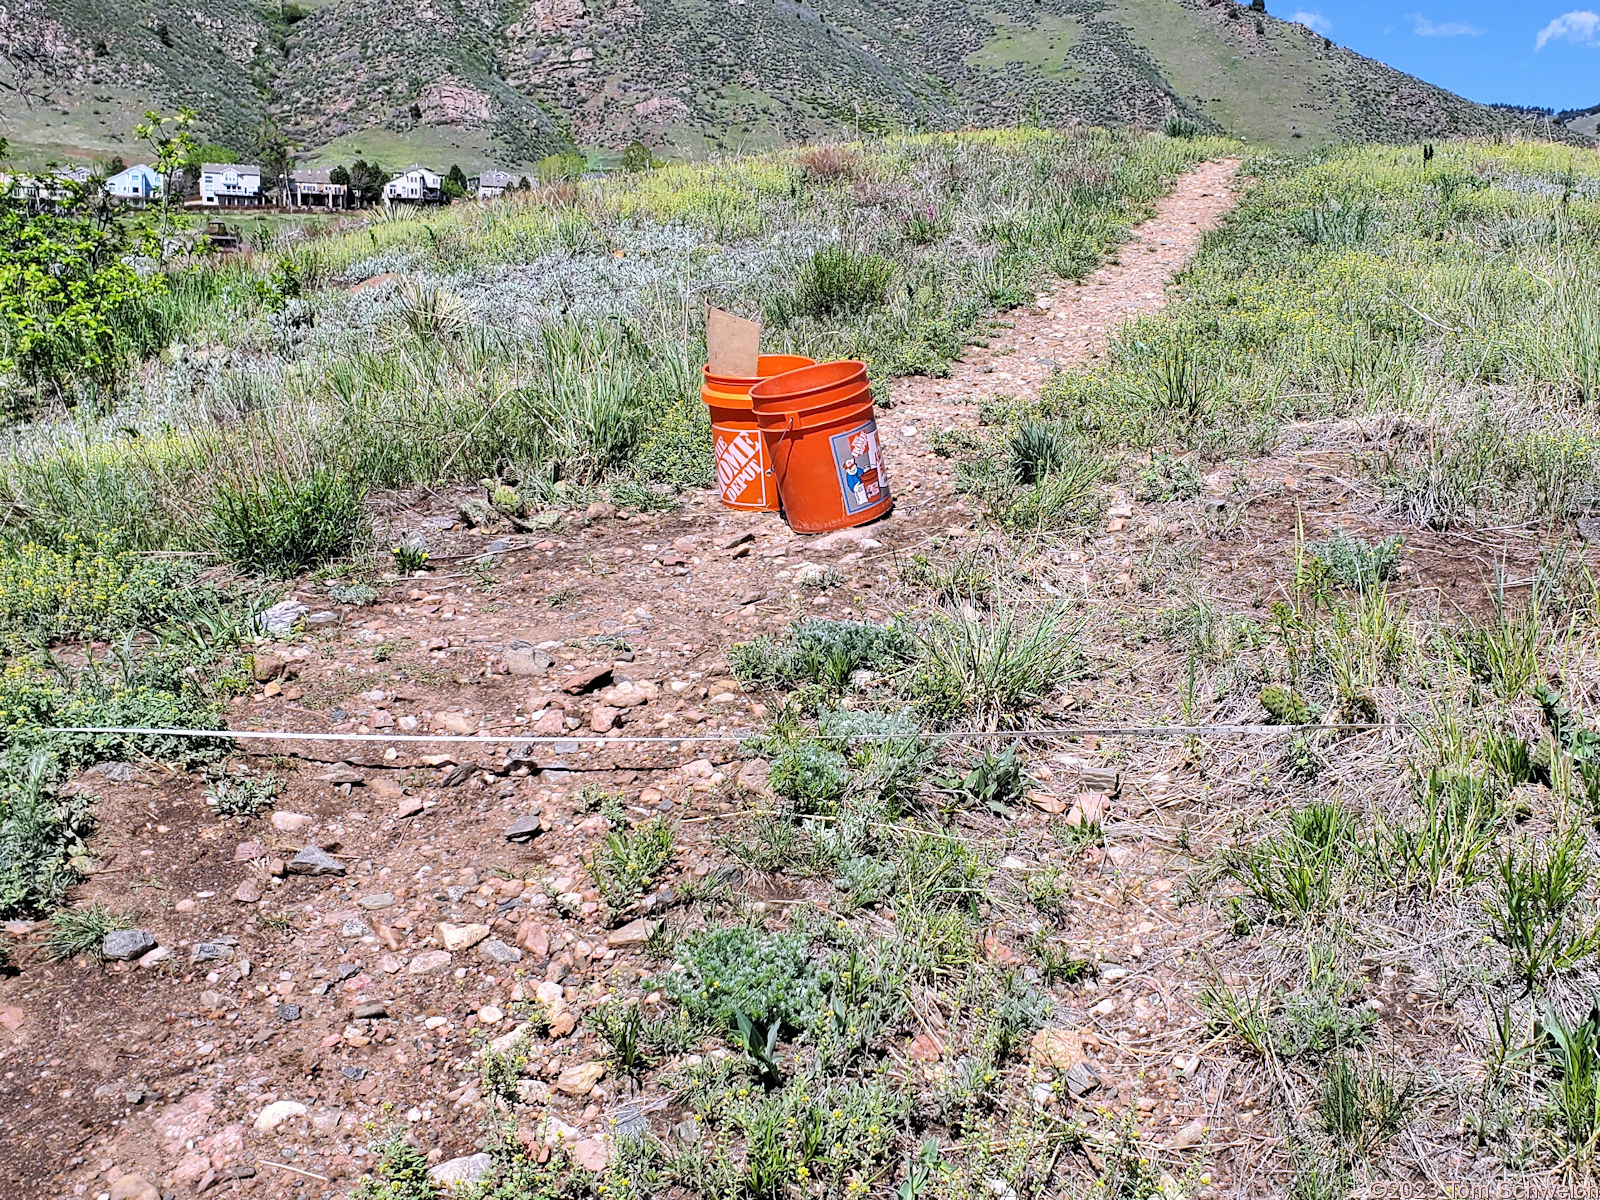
(480, 739)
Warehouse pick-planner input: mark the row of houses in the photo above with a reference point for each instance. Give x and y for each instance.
(238, 185)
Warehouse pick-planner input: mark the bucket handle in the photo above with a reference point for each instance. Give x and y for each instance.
(778, 472)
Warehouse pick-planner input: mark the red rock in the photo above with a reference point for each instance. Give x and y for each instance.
(999, 953)
(534, 938)
(249, 892)
(591, 1154)
(925, 1048)
(249, 852)
(586, 680)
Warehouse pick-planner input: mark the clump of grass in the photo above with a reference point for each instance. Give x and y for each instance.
(1360, 1106)
(1574, 1051)
(42, 836)
(1303, 870)
(993, 667)
(280, 525)
(75, 931)
(838, 282)
(626, 865)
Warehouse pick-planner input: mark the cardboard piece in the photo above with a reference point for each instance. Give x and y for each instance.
(733, 345)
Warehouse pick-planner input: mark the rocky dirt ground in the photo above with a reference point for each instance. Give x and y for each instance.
(301, 969)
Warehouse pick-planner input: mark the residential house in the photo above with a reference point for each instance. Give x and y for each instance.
(415, 185)
(494, 184)
(229, 185)
(139, 183)
(44, 191)
(313, 189)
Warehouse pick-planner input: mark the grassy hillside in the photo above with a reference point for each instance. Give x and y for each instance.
(498, 80)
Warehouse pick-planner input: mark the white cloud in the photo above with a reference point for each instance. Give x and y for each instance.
(1313, 20)
(1422, 27)
(1579, 26)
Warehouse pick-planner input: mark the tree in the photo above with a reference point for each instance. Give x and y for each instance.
(66, 294)
(367, 180)
(339, 177)
(275, 157)
(637, 157)
(1258, 6)
(171, 144)
(454, 185)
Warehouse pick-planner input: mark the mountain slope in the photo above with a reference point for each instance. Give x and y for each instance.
(510, 79)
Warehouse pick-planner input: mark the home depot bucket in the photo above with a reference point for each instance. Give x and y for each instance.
(821, 435)
(744, 469)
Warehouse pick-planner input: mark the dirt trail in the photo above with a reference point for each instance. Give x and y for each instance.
(333, 991)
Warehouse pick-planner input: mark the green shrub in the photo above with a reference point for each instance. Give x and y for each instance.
(627, 864)
(401, 1172)
(820, 651)
(42, 837)
(677, 452)
(769, 977)
(839, 282)
(75, 931)
(1182, 127)
(810, 776)
(1354, 562)
(84, 589)
(280, 526)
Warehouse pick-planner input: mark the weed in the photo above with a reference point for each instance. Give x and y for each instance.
(810, 776)
(821, 652)
(1355, 563)
(1574, 1050)
(42, 836)
(75, 931)
(401, 1171)
(280, 525)
(840, 282)
(242, 795)
(1535, 912)
(409, 557)
(628, 864)
(995, 782)
(769, 977)
(1167, 478)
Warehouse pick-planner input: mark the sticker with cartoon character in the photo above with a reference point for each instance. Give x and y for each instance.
(860, 464)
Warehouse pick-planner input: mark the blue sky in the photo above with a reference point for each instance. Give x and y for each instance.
(1496, 51)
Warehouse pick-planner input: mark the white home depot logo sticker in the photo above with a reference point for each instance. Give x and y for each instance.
(741, 468)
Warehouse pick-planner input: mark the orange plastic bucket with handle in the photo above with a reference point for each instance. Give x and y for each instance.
(744, 469)
(821, 434)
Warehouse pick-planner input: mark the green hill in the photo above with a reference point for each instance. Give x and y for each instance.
(509, 80)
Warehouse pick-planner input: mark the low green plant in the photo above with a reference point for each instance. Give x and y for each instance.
(1354, 562)
(626, 865)
(822, 652)
(1286, 706)
(767, 976)
(75, 931)
(991, 667)
(810, 775)
(1536, 910)
(1574, 1051)
(409, 557)
(400, 1173)
(1167, 478)
(42, 836)
(840, 282)
(279, 525)
(995, 782)
(1360, 1106)
(242, 795)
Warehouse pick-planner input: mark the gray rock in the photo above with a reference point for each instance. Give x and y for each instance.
(288, 1012)
(687, 1131)
(524, 658)
(346, 970)
(498, 546)
(523, 829)
(457, 1172)
(496, 951)
(324, 618)
(369, 1010)
(124, 944)
(353, 928)
(314, 860)
(629, 1121)
(281, 618)
(353, 1074)
(1080, 1080)
(210, 952)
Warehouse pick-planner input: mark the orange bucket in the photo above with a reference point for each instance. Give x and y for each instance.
(744, 468)
(821, 436)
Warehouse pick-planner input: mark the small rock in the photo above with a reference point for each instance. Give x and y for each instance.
(1080, 1080)
(496, 951)
(580, 1080)
(265, 667)
(277, 1113)
(460, 937)
(342, 773)
(281, 618)
(314, 860)
(369, 1010)
(603, 718)
(409, 806)
(687, 1131)
(376, 900)
(322, 619)
(461, 1172)
(248, 892)
(491, 1014)
(355, 927)
(523, 658)
(462, 724)
(210, 952)
(562, 1024)
(634, 933)
(591, 1155)
(120, 945)
(600, 510)
(288, 1012)
(523, 829)
(250, 851)
(291, 822)
(925, 1048)
(430, 962)
(134, 1187)
(1190, 1135)
(504, 1043)
(533, 937)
